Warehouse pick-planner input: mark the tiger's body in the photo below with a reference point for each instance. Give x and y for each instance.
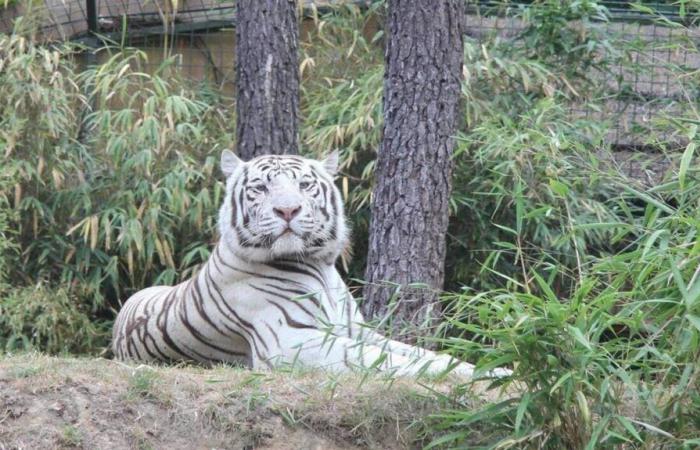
(269, 294)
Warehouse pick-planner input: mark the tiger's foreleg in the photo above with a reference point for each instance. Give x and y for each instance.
(419, 356)
(423, 356)
(342, 354)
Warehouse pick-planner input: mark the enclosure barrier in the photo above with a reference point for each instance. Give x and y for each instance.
(641, 88)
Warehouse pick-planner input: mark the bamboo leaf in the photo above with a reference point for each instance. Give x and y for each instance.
(685, 163)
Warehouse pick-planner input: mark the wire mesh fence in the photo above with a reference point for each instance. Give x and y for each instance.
(652, 77)
(650, 54)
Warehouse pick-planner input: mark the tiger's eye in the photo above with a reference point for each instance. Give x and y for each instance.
(259, 188)
(304, 185)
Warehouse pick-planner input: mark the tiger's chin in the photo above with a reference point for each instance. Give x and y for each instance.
(288, 244)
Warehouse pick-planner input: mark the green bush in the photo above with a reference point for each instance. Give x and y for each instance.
(528, 192)
(109, 181)
(8, 245)
(614, 363)
(105, 203)
(49, 320)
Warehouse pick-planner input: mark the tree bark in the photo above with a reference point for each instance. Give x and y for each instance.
(422, 86)
(267, 77)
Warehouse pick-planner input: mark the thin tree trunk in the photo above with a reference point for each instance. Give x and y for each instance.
(424, 55)
(267, 77)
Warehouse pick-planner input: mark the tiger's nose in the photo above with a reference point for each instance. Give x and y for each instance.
(287, 213)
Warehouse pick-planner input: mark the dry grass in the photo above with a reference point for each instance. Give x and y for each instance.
(49, 402)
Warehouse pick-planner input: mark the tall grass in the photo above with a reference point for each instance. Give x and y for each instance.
(580, 278)
(49, 319)
(109, 178)
(612, 364)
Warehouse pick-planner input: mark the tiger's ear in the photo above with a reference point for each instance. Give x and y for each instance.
(229, 162)
(331, 163)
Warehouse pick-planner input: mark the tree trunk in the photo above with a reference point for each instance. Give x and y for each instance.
(424, 55)
(267, 77)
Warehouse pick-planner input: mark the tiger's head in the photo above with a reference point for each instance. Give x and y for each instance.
(281, 206)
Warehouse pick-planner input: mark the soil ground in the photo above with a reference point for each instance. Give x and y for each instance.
(49, 402)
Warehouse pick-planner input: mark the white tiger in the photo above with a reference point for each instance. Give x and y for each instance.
(270, 294)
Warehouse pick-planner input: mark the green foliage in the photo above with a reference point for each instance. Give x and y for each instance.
(564, 34)
(615, 362)
(8, 246)
(105, 203)
(50, 320)
(109, 182)
(581, 279)
(528, 192)
(156, 185)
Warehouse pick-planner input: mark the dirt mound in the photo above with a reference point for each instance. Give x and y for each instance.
(50, 402)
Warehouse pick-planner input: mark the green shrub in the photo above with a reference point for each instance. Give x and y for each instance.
(582, 280)
(104, 204)
(609, 362)
(109, 182)
(49, 320)
(528, 192)
(342, 89)
(8, 244)
(614, 363)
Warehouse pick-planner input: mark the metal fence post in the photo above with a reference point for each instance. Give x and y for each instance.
(92, 43)
(91, 8)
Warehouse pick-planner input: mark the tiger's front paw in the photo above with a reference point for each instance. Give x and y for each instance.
(499, 372)
(467, 371)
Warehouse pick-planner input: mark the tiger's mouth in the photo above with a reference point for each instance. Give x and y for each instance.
(286, 233)
(288, 242)
(286, 236)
